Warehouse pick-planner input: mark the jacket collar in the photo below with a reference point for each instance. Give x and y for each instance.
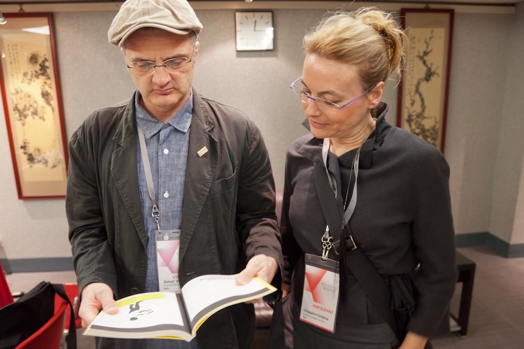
(126, 130)
(202, 161)
(124, 168)
(312, 149)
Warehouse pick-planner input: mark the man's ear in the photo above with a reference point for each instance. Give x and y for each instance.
(123, 50)
(375, 95)
(197, 45)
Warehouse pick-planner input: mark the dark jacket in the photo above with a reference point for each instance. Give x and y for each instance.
(227, 216)
(402, 218)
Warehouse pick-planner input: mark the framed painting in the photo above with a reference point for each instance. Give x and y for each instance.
(33, 105)
(423, 91)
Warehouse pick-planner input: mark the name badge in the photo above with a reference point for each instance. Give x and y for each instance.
(320, 296)
(167, 247)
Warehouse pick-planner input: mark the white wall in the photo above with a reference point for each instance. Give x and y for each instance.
(484, 127)
(478, 73)
(508, 192)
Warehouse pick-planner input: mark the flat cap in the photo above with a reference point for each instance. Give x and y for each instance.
(175, 16)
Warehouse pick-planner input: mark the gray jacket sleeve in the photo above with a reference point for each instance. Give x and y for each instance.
(92, 255)
(256, 218)
(433, 242)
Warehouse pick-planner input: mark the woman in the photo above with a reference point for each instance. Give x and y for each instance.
(389, 189)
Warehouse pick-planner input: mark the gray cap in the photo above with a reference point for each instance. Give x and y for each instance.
(175, 16)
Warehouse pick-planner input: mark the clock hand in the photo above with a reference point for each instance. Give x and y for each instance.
(255, 27)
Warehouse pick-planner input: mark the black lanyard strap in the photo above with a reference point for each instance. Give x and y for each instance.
(365, 273)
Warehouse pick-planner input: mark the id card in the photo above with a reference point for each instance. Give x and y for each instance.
(320, 297)
(167, 247)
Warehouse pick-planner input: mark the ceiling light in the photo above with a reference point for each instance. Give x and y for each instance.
(38, 30)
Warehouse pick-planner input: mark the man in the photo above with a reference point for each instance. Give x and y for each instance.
(168, 167)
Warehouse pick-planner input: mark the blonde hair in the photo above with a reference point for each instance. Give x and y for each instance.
(368, 38)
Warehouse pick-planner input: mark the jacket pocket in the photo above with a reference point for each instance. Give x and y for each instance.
(224, 185)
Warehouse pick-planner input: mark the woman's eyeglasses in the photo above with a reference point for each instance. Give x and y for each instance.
(322, 104)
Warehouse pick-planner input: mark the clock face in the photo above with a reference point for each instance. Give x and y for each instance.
(254, 31)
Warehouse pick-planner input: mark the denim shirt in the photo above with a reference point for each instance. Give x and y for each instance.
(167, 149)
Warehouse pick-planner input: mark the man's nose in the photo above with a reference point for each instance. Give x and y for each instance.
(160, 75)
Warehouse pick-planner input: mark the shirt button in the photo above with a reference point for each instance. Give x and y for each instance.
(166, 194)
(166, 151)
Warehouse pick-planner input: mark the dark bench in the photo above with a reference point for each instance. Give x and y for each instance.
(466, 275)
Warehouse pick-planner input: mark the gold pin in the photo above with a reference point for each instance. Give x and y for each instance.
(202, 151)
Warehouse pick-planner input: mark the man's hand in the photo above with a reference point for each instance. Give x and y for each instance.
(262, 266)
(95, 297)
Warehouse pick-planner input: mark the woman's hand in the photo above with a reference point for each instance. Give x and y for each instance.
(413, 341)
(285, 289)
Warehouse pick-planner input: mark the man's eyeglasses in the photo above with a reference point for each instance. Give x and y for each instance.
(322, 104)
(171, 65)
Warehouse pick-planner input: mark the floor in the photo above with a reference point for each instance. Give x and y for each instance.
(497, 311)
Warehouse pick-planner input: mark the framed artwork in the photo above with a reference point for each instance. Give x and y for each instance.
(423, 92)
(33, 105)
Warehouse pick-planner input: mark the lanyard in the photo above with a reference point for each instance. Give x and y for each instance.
(327, 239)
(149, 177)
(353, 201)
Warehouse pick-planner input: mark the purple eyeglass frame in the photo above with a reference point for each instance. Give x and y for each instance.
(338, 107)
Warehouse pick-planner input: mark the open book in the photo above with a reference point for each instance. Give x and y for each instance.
(175, 316)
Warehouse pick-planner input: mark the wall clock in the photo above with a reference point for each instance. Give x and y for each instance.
(254, 31)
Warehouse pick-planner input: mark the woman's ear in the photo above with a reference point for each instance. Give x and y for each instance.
(375, 95)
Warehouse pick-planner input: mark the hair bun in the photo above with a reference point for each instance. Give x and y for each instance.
(394, 37)
(367, 37)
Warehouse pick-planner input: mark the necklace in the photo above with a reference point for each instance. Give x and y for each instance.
(347, 190)
(325, 152)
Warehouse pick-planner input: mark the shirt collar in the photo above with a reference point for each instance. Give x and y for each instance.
(151, 126)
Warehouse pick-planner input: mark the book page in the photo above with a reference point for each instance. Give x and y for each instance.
(205, 295)
(146, 315)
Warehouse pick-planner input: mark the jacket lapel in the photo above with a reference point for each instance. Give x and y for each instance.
(312, 150)
(201, 167)
(124, 169)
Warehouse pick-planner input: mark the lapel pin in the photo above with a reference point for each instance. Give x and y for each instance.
(202, 151)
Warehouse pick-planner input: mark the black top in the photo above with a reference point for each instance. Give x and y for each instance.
(402, 218)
